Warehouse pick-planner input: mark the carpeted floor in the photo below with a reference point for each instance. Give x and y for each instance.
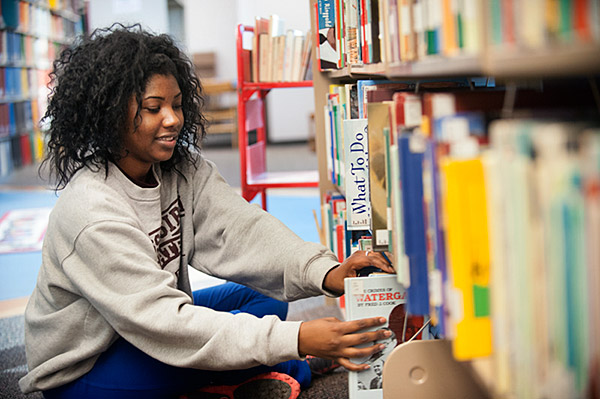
(12, 358)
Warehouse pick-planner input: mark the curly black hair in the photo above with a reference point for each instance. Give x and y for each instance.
(91, 85)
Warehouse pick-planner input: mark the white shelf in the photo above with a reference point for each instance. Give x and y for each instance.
(285, 179)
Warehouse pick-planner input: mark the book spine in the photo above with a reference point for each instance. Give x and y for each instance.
(328, 50)
(412, 147)
(357, 174)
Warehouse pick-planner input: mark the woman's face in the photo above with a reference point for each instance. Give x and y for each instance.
(160, 121)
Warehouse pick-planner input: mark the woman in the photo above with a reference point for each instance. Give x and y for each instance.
(112, 314)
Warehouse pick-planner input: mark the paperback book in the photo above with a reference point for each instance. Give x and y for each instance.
(371, 296)
(357, 174)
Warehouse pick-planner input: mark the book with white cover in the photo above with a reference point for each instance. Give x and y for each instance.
(356, 147)
(375, 295)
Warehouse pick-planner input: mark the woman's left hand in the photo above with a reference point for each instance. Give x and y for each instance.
(334, 280)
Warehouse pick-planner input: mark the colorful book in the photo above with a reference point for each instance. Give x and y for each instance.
(327, 51)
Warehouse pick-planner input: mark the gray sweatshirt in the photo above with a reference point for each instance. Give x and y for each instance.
(114, 263)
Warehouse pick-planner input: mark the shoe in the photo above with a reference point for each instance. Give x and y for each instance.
(263, 386)
(321, 366)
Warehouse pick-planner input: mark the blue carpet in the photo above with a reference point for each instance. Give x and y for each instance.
(18, 272)
(296, 213)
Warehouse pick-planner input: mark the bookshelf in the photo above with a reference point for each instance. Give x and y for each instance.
(255, 177)
(540, 63)
(32, 32)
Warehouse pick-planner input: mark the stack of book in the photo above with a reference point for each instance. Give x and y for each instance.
(31, 35)
(393, 32)
(492, 223)
(277, 54)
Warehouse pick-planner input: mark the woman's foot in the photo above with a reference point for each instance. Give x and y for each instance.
(263, 386)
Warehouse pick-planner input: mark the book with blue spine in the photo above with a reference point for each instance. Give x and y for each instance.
(411, 147)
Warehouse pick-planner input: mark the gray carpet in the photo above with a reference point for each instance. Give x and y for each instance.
(12, 358)
(13, 364)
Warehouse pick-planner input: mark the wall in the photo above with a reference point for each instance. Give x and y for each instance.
(152, 14)
(212, 25)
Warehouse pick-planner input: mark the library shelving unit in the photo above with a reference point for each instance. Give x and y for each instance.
(255, 176)
(32, 33)
(428, 369)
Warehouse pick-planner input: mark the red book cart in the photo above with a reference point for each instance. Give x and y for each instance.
(255, 178)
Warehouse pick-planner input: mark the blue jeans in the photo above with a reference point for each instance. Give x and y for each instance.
(123, 371)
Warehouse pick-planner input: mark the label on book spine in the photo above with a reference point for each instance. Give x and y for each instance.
(356, 147)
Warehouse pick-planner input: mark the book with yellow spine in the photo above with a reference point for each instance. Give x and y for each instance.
(468, 255)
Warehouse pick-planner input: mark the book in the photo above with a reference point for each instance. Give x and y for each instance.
(407, 31)
(352, 32)
(294, 57)
(336, 108)
(288, 55)
(328, 53)
(278, 58)
(261, 26)
(352, 97)
(329, 143)
(364, 32)
(375, 45)
(419, 14)
(436, 259)
(378, 120)
(411, 147)
(449, 29)
(433, 26)
(392, 42)
(305, 70)
(384, 28)
(590, 155)
(472, 26)
(356, 145)
(465, 208)
(276, 29)
(375, 295)
(263, 48)
(514, 252)
(10, 14)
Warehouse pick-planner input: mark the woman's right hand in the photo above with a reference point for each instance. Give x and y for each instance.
(334, 339)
